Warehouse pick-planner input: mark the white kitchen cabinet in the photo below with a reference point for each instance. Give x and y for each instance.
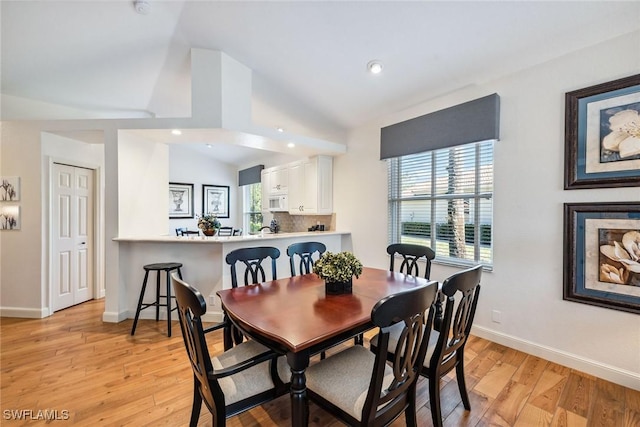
(311, 186)
(278, 180)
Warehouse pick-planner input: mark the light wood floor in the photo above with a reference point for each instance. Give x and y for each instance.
(102, 376)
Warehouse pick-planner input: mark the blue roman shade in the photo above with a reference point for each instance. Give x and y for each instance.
(473, 121)
(250, 175)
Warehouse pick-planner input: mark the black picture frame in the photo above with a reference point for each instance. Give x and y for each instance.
(180, 200)
(594, 274)
(593, 157)
(215, 200)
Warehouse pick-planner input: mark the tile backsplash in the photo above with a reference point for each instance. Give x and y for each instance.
(296, 223)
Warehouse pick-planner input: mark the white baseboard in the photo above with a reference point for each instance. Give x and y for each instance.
(114, 316)
(610, 373)
(26, 313)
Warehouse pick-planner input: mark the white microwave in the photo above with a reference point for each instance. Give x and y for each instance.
(278, 203)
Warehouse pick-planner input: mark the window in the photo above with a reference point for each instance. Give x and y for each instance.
(444, 199)
(252, 204)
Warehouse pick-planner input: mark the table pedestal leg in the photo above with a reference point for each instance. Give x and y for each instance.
(299, 403)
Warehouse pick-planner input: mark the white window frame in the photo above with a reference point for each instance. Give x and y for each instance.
(246, 205)
(482, 203)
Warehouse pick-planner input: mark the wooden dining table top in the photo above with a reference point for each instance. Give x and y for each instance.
(296, 314)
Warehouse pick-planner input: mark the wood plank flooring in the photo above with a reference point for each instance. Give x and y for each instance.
(73, 367)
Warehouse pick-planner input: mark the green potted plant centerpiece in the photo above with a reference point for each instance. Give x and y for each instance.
(209, 224)
(337, 270)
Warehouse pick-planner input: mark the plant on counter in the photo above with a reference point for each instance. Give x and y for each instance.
(337, 267)
(208, 222)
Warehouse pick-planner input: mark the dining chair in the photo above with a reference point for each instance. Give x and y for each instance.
(446, 346)
(231, 382)
(358, 386)
(411, 254)
(304, 251)
(225, 231)
(186, 232)
(254, 272)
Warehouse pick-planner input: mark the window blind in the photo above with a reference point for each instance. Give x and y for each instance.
(444, 199)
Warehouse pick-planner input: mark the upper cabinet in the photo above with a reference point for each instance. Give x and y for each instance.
(311, 186)
(278, 180)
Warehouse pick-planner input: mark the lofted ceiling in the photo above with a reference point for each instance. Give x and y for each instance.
(308, 58)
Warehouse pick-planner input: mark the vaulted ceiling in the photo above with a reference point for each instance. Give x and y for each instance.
(308, 58)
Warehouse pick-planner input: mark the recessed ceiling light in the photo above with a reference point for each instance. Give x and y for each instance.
(291, 145)
(280, 130)
(176, 132)
(374, 67)
(209, 146)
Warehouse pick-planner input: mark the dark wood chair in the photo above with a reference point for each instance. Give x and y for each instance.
(225, 231)
(304, 252)
(254, 272)
(411, 254)
(252, 259)
(358, 386)
(185, 232)
(234, 381)
(446, 346)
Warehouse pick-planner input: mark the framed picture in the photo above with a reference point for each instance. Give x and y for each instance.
(9, 217)
(9, 189)
(602, 254)
(215, 200)
(602, 135)
(180, 200)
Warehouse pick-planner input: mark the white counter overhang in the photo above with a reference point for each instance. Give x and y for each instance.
(252, 238)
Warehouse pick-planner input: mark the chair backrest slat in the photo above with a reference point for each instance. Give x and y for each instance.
(191, 308)
(415, 310)
(411, 254)
(305, 252)
(225, 231)
(458, 316)
(252, 259)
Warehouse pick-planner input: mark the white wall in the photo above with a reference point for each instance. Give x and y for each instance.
(189, 167)
(143, 179)
(527, 281)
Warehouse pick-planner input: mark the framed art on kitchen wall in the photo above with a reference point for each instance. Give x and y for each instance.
(215, 200)
(180, 200)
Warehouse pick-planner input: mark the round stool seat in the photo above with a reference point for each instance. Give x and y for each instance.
(163, 266)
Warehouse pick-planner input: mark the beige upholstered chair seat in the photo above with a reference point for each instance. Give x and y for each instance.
(344, 379)
(249, 382)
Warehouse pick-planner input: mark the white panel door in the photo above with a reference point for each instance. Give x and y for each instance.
(72, 231)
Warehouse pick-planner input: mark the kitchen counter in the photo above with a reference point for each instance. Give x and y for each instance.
(226, 239)
(203, 260)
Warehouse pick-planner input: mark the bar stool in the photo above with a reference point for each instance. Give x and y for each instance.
(167, 267)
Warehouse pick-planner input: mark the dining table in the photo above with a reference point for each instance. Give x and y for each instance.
(296, 318)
